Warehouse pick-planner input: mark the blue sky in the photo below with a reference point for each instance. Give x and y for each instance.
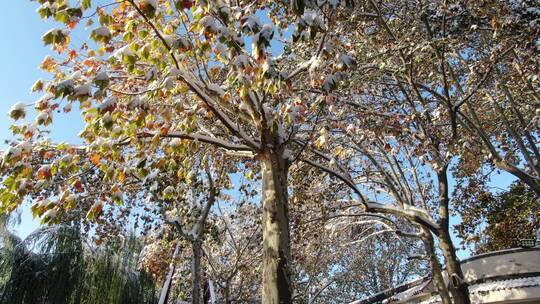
(21, 53)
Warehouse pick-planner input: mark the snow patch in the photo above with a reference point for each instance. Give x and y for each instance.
(11, 153)
(101, 76)
(83, 90)
(102, 31)
(18, 110)
(107, 103)
(50, 214)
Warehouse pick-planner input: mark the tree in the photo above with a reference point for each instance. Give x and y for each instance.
(160, 80)
(195, 235)
(233, 259)
(422, 81)
(54, 265)
(505, 218)
(161, 85)
(338, 247)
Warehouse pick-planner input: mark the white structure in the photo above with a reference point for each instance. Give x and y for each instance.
(508, 276)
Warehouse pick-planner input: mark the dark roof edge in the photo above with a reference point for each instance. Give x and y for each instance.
(499, 252)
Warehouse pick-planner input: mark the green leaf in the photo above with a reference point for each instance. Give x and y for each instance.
(62, 17)
(105, 20)
(145, 52)
(45, 11)
(86, 4)
(55, 36)
(101, 34)
(38, 86)
(142, 33)
(128, 37)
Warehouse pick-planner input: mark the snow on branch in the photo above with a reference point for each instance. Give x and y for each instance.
(195, 88)
(203, 138)
(197, 229)
(415, 214)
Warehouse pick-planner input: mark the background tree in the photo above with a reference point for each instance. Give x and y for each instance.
(234, 259)
(496, 221)
(426, 75)
(55, 265)
(337, 246)
(195, 233)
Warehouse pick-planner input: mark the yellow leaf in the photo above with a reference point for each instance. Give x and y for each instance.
(95, 159)
(121, 176)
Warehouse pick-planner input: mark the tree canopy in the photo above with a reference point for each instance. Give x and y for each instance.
(346, 119)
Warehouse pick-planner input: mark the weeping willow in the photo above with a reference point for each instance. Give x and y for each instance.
(53, 265)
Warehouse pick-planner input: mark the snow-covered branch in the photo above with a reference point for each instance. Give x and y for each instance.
(202, 138)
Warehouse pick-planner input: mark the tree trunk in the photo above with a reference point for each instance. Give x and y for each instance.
(226, 293)
(196, 272)
(458, 287)
(206, 292)
(276, 287)
(436, 271)
(165, 291)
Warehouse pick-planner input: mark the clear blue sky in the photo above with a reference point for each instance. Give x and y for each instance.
(21, 53)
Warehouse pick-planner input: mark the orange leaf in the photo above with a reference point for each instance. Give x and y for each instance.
(163, 131)
(88, 62)
(121, 176)
(72, 54)
(95, 159)
(48, 64)
(44, 172)
(73, 24)
(46, 154)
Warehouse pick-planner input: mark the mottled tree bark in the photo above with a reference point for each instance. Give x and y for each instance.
(436, 270)
(276, 242)
(196, 272)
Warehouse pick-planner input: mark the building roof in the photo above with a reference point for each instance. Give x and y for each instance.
(482, 290)
(507, 274)
(505, 284)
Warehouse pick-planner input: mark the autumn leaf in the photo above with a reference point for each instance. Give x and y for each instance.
(95, 159)
(44, 172)
(77, 184)
(120, 176)
(72, 54)
(49, 64)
